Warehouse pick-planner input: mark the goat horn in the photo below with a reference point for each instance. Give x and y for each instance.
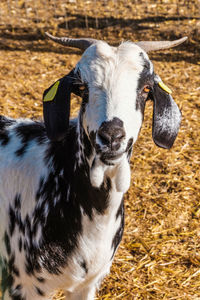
(158, 45)
(75, 43)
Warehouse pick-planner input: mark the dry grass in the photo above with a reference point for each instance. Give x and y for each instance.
(159, 257)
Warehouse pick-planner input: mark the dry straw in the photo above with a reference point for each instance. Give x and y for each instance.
(159, 257)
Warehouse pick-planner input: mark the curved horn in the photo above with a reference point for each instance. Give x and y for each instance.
(158, 45)
(75, 43)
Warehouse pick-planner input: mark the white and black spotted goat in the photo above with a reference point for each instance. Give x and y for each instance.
(62, 182)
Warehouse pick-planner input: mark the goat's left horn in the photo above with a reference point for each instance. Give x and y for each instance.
(82, 43)
(159, 45)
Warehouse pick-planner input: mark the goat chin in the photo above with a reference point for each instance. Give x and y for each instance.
(119, 174)
(123, 176)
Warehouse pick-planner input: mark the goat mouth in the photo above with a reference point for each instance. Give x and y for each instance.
(110, 158)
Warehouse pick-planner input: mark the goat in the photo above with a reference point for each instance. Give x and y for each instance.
(62, 182)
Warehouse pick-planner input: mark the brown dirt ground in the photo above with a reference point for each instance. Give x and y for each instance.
(159, 257)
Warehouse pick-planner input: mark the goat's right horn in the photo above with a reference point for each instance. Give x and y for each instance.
(82, 43)
(159, 45)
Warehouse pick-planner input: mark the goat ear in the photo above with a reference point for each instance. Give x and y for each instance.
(166, 117)
(56, 107)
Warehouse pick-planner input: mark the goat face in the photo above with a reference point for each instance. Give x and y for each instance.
(115, 79)
(114, 83)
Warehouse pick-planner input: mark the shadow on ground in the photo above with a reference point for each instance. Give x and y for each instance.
(22, 39)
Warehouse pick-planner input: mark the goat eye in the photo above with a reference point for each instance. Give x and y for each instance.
(146, 89)
(81, 87)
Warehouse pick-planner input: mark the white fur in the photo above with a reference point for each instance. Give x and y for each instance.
(97, 173)
(123, 176)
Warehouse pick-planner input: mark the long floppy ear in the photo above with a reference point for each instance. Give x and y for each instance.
(56, 107)
(166, 116)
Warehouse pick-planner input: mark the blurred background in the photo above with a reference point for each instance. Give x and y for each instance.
(159, 257)
(125, 19)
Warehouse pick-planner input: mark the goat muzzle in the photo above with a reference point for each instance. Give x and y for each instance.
(111, 134)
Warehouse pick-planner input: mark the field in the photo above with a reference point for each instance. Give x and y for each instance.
(159, 257)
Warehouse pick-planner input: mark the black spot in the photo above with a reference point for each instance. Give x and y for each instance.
(6, 277)
(146, 78)
(11, 265)
(12, 220)
(118, 235)
(7, 243)
(21, 225)
(17, 201)
(35, 225)
(41, 185)
(40, 279)
(11, 261)
(17, 297)
(27, 224)
(15, 270)
(27, 133)
(129, 148)
(30, 131)
(39, 291)
(120, 211)
(29, 267)
(20, 244)
(117, 238)
(4, 138)
(4, 135)
(21, 150)
(84, 266)
(5, 122)
(18, 287)
(31, 262)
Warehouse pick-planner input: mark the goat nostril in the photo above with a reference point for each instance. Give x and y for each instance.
(111, 138)
(104, 137)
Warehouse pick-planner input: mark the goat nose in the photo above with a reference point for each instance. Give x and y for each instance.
(111, 135)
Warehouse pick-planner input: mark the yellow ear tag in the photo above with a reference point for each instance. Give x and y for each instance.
(164, 87)
(52, 92)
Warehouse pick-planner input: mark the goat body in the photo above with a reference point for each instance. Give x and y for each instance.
(58, 230)
(62, 183)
